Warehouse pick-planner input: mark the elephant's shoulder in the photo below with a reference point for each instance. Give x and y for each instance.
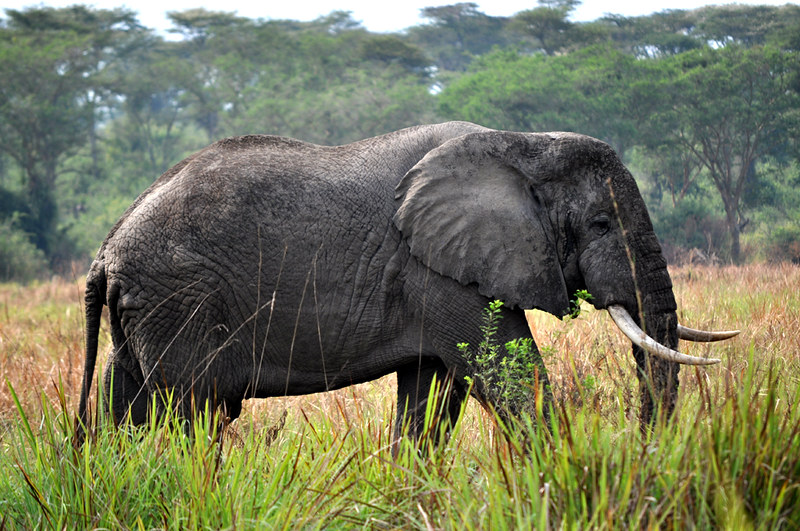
(247, 142)
(255, 157)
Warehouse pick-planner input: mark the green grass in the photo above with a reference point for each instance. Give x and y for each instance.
(729, 458)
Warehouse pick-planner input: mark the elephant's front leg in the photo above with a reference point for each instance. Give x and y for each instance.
(414, 382)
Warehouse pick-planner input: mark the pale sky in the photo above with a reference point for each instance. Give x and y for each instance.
(375, 16)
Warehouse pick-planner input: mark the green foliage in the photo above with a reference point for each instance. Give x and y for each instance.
(20, 259)
(94, 105)
(393, 49)
(784, 244)
(510, 375)
(52, 62)
(546, 28)
(775, 198)
(457, 33)
(41, 118)
(575, 303)
(89, 229)
(584, 91)
(691, 224)
(729, 108)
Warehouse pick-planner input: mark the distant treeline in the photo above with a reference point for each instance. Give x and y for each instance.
(703, 105)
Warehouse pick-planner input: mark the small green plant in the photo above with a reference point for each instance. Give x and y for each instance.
(575, 303)
(589, 383)
(509, 372)
(547, 351)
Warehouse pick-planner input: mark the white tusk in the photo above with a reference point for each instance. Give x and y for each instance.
(625, 323)
(690, 334)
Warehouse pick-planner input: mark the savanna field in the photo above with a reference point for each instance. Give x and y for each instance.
(729, 458)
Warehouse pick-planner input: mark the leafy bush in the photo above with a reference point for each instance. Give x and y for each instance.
(511, 376)
(20, 259)
(784, 245)
(691, 225)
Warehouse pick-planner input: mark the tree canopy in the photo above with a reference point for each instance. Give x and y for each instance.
(702, 105)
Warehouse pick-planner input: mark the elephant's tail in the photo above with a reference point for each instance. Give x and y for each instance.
(93, 300)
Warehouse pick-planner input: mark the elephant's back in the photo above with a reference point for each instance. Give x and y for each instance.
(266, 194)
(247, 199)
(272, 182)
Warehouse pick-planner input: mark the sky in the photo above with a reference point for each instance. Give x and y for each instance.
(373, 15)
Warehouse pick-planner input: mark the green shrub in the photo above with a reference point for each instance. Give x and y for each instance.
(20, 259)
(510, 373)
(692, 224)
(784, 245)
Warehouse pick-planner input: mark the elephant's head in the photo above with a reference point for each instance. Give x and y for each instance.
(531, 218)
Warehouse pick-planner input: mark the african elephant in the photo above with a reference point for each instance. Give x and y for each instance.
(264, 266)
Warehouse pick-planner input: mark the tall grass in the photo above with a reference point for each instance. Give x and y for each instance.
(729, 458)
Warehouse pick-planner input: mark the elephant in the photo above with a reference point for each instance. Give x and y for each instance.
(266, 266)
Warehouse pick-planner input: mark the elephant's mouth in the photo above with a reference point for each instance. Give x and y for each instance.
(637, 336)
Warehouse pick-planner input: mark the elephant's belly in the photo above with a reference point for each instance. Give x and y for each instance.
(302, 373)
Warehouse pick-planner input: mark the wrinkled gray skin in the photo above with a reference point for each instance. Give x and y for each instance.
(264, 266)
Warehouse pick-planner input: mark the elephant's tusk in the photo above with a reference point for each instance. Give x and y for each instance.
(690, 334)
(625, 323)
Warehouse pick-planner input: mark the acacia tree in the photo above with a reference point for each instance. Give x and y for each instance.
(52, 63)
(586, 91)
(547, 27)
(457, 33)
(728, 108)
(41, 118)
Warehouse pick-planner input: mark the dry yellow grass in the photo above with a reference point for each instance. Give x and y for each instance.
(589, 361)
(41, 339)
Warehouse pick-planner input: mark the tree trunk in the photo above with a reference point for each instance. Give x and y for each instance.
(732, 220)
(41, 198)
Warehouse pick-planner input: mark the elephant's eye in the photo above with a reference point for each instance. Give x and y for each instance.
(600, 225)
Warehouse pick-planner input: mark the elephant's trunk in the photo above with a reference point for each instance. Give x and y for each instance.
(658, 377)
(655, 347)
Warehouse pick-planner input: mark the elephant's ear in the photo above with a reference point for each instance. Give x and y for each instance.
(467, 212)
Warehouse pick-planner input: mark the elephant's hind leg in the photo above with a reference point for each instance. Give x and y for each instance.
(414, 382)
(124, 393)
